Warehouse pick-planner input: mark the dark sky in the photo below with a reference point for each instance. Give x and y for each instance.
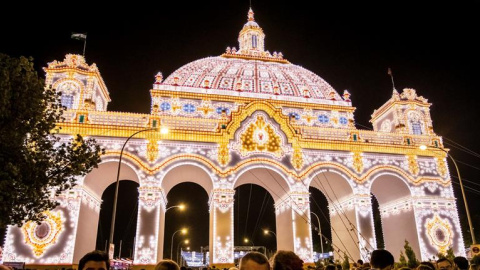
(429, 46)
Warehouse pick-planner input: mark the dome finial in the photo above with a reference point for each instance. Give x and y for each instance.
(250, 15)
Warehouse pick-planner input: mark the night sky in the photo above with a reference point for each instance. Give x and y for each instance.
(430, 47)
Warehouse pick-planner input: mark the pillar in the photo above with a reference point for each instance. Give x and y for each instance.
(293, 225)
(150, 230)
(221, 228)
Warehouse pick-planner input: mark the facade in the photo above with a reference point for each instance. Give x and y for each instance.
(251, 116)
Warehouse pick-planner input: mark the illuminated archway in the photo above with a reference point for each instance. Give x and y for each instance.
(397, 211)
(276, 184)
(344, 221)
(95, 184)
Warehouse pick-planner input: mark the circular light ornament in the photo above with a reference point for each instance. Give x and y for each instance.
(45, 234)
(440, 233)
(260, 136)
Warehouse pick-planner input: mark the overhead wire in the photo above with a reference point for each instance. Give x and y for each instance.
(308, 221)
(338, 208)
(261, 212)
(461, 147)
(309, 218)
(248, 211)
(466, 180)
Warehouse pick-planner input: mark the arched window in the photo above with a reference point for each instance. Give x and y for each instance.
(67, 101)
(415, 123)
(254, 41)
(416, 127)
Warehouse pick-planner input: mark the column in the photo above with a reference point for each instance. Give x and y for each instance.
(221, 228)
(150, 224)
(293, 225)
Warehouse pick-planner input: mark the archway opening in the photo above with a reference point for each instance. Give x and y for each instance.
(95, 184)
(397, 213)
(194, 218)
(125, 218)
(321, 235)
(335, 189)
(256, 192)
(188, 183)
(254, 218)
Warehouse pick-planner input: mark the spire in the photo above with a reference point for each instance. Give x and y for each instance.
(251, 40)
(251, 37)
(250, 15)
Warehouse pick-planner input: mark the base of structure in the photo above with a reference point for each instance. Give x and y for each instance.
(143, 267)
(51, 266)
(222, 265)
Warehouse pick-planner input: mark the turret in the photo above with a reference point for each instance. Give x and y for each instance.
(405, 113)
(81, 85)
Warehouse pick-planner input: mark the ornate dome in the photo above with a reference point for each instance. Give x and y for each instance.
(252, 72)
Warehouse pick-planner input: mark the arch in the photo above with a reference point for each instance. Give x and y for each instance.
(96, 182)
(262, 209)
(334, 183)
(187, 171)
(338, 189)
(75, 93)
(107, 172)
(394, 197)
(268, 177)
(378, 186)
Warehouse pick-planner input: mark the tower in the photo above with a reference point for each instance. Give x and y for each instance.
(80, 84)
(405, 113)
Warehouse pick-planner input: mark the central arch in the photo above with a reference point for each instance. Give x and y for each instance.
(344, 221)
(276, 184)
(182, 172)
(187, 171)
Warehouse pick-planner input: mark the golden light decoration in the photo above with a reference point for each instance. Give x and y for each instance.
(261, 137)
(358, 162)
(440, 233)
(152, 150)
(413, 164)
(41, 236)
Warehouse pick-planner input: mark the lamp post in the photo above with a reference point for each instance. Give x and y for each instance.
(186, 241)
(246, 241)
(265, 231)
(424, 147)
(115, 198)
(180, 206)
(181, 258)
(319, 232)
(184, 231)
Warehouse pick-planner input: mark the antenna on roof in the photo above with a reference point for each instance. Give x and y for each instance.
(389, 72)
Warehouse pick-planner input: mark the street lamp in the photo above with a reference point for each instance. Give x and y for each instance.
(184, 231)
(246, 241)
(115, 198)
(424, 147)
(186, 241)
(180, 206)
(265, 231)
(319, 232)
